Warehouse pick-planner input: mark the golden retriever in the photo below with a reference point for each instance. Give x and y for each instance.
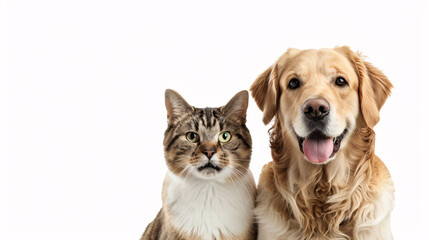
(324, 182)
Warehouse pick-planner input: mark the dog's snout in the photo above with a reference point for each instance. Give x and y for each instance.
(316, 108)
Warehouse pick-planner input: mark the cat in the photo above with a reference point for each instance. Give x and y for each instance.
(208, 191)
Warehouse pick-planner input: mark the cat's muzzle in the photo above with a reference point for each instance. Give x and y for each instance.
(209, 166)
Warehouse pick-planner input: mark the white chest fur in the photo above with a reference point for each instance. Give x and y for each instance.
(209, 208)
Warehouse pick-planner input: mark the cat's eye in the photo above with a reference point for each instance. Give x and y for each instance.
(340, 81)
(224, 137)
(192, 137)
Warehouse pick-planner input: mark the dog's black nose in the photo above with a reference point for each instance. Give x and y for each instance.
(316, 108)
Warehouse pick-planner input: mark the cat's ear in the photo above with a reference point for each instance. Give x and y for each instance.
(236, 108)
(176, 105)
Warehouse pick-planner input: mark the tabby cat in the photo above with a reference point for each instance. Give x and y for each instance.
(208, 191)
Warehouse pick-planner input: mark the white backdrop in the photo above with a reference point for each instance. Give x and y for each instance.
(82, 99)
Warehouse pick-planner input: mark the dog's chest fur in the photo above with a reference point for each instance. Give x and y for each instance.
(322, 213)
(324, 210)
(209, 209)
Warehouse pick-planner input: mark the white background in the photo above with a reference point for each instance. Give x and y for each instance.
(82, 99)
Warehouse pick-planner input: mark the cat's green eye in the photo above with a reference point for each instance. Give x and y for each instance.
(224, 137)
(192, 137)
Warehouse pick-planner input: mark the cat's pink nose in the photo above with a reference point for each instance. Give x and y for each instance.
(209, 152)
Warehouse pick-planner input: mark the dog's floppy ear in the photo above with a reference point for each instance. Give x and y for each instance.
(374, 87)
(264, 90)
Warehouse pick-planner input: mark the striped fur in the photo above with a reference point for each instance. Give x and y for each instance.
(200, 202)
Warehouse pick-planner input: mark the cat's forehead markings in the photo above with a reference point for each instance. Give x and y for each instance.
(209, 135)
(208, 117)
(207, 123)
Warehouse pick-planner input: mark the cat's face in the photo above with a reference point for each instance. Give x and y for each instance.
(209, 143)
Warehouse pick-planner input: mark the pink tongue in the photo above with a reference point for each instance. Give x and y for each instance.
(318, 150)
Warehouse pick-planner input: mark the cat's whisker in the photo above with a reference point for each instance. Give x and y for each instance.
(193, 193)
(242, 160)
(183, 179)
(236, 171)
(174, 162)
(233, 181)
(184, 170)
(247, 177)
(178, 166)
(180, 158)
(187, 173)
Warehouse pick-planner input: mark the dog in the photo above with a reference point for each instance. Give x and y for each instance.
(324, 182)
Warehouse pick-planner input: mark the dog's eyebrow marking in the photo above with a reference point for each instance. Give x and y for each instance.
(289, 75)
(335, 70)
(294, 75)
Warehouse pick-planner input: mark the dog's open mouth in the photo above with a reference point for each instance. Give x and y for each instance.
(209, 165)
(318, 148)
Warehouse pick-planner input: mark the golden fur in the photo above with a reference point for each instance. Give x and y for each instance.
(349, 197)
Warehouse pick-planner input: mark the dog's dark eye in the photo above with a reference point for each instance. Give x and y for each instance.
(293, 84)
(340, 81)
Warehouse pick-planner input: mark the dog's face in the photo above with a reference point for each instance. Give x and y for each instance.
(319, 96)
(319, 103)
